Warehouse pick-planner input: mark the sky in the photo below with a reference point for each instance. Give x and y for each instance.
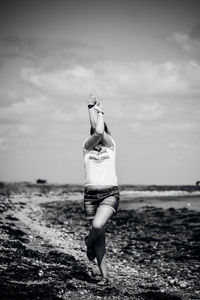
(143, 60)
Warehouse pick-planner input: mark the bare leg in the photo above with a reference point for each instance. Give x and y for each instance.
(100, 250)
(96, 236)
(102, 216)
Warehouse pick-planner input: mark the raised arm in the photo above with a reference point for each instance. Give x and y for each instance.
(93, 111)
(94, 139)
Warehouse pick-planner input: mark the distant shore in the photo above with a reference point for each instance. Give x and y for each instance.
(25, 186)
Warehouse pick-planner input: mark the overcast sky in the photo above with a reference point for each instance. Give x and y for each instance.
(142, 58)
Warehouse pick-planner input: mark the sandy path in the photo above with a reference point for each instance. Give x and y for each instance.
(30, 218)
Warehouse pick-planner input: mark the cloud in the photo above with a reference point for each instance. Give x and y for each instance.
(67, 70)
(176, 145)
(139, 111)
(15, 46)
(150, 111)
(26, 130)
(60, 83)
(54, 86)
(8, 97)
(118, 80)
(48, 52)
(32, 122)
(188, 44)
(184, 126)
(183, 41)
(20, 131)
(160, 126)
(3, 144)
(195, 32)
(35, 110)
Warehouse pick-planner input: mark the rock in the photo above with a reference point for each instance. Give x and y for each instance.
(172, 281)
(114, 250)
(41, 273)
(183, 284)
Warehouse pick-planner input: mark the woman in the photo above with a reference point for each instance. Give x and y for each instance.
(101, 198)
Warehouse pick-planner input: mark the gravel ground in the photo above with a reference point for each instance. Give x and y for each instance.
(153, 253)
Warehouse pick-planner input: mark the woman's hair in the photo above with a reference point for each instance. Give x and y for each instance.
(92, 130)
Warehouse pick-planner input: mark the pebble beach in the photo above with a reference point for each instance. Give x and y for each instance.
(152, 244)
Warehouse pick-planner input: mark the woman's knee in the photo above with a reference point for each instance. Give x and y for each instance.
(97, 225)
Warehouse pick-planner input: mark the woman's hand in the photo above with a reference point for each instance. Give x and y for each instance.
(99, 107)
(92, 99)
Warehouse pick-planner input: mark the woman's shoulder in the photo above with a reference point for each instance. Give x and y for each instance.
(112, 139)
(84, 148)
(113, 144)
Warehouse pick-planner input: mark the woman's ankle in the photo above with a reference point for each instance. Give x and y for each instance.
(104, 274)
(103, 282)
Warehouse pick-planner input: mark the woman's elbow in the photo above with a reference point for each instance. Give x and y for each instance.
(99, 132)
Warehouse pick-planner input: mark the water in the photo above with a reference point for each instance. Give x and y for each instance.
(133, 199)
(164, 199)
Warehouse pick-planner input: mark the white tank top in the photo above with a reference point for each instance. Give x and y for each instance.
(99, 165)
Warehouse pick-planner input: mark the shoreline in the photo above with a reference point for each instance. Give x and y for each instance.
(25, 186)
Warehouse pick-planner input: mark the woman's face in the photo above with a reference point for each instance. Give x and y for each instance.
(99, 145)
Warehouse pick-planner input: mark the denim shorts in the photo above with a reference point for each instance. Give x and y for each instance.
(94, 198)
